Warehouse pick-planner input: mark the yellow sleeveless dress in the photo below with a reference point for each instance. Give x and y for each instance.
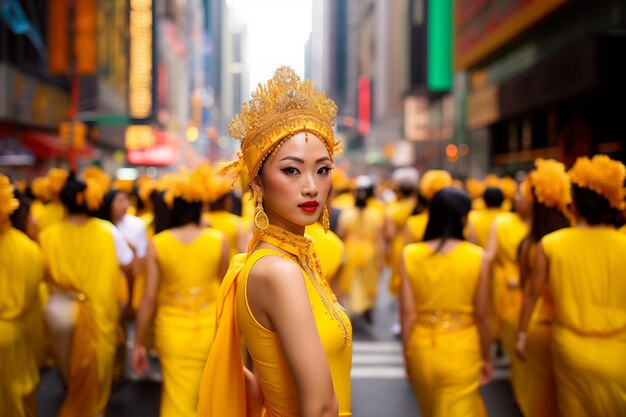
(398, 212)
(227, 223)
(587, 270)
(443, 354)
(329, 248)
(21, 321)
(184, 323)
(417, 226)
(50, 213)
(359, 276)
(222, 392)
(84, 272)
(482, 220)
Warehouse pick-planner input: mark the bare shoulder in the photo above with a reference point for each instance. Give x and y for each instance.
(273, 272)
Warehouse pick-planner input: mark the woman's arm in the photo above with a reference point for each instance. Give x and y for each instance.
(279, 300)
(533, 288)
(139, 360)
(224, 259)
(407, 307)
(481, 317)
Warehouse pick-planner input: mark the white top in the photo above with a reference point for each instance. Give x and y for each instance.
(134, 230)
(123, 252)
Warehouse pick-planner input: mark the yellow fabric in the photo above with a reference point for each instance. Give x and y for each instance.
(398, 212)
(48, 214)
(444, 361)
(21, 324)
(184, 324)
(417, 226)
(82, 260)
(329, 248)
(281, 397)
(589, 335)
(227, 223)
(359, 276)
(342, 201)
(140, 279)
(482, 220)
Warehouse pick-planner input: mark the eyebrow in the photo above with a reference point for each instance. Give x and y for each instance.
(293, 158)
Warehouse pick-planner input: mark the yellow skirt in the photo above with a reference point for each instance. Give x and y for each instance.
(444, 368)
(590, 373)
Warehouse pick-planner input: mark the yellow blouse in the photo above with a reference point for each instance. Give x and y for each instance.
(587, 267)
(417, 226)
(482, 220)
(49, 214)
(443, 282)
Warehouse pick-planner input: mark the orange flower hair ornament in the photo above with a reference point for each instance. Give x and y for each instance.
(56, 180)
(8, 202)
(98, 183)
(433, 181)
(284, 106)
(550, 184)
(475, 187)
(603, 175)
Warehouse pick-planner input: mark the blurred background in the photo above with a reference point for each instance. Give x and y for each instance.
(472, 86)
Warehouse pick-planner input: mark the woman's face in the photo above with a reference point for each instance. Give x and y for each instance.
(295, 183)
(119, 206)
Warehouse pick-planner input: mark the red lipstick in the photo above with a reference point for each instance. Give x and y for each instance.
(309, 206)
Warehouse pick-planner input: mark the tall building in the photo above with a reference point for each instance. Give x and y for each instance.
(540, 78)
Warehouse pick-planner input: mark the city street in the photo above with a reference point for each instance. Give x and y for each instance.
(379, 386)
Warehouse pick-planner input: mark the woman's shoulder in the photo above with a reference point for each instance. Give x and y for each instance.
(417, 250)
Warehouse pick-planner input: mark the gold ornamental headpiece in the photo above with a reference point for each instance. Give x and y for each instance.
(603, 175)
(284, 106)
(8, 202)
(550, 184)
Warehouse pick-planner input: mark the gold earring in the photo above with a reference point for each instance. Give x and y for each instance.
(260, 218)
(325, 219)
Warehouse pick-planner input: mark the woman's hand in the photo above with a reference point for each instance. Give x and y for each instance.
(139, 361)
(486, 372)
(520, 346)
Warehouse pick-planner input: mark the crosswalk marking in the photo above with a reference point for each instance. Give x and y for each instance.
(377, 360)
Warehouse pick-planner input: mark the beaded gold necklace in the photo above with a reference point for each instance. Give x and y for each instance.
(302, 249)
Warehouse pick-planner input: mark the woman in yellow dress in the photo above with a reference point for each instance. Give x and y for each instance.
(479, 222)
(584, 268)
(21, 272)
(432, 181)
(83, 256)
(361, 229)
(533, 380)
(444, 313)
(275, 296)
(185, 265)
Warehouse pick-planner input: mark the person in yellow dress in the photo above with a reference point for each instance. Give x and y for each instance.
(275, 296)
(432, 181)
(83, 256)
(533, 379)
(362, 230)
(331, 252)
(445, 330)
(583, 267)
(21, 325)
(185, 265)
(479, 222)
(52, 210)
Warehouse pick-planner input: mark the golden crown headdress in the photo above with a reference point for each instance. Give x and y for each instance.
(8, 202)
(603, 175)
(550, 184)
(286, 105)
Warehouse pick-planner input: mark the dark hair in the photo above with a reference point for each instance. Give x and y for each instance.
(493, 197)
(104, 212)
(421, 205)
(68, 194)
(594, 207)
(361, 195)
(446, 218)
(406, 190)
(19, 217)
(222, 203)
(184, 212)
(162, 213)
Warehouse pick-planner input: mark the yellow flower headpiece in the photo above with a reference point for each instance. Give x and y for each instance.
(98, 183)
(492, 181)
(41, 189)
(56, 180)
(526, 189)
(192, 186)
(124, 185)
(8, 202)
(220, 186)
(341, 180)
(550, 184)
(475, 187)
(603, 175)
(433, 181)
(146, 187)
(508, 186)
(286, 105)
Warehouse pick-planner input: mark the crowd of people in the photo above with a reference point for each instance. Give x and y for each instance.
(245, 278)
